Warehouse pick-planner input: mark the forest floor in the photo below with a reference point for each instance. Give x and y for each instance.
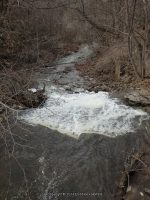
(100, 69)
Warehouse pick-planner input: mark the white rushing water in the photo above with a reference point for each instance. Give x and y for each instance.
(85, 112)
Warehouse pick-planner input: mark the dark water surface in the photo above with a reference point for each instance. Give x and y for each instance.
(51, 164)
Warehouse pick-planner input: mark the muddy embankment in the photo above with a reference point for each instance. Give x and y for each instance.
(39, 163)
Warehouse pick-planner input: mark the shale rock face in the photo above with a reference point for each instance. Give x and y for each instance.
(138, 98)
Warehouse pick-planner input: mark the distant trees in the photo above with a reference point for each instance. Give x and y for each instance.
(110, 20)
(138, 30)
(126, 19)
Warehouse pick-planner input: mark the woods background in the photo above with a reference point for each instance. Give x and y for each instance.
(30, 29)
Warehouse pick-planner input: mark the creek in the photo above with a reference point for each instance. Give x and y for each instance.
(75, 145)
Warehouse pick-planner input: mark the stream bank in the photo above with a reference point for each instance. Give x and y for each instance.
(101, 72)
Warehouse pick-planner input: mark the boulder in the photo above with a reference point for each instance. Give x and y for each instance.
(30, 99)
(138, 98)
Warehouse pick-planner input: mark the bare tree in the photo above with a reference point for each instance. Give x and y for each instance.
(3, 6)
(137, 39)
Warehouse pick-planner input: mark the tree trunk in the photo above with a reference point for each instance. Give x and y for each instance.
(3, 6)
(117, 69)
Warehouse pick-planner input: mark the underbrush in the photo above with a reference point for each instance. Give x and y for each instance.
(14, 91)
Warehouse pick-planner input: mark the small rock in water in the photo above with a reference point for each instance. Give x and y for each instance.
(68, 88)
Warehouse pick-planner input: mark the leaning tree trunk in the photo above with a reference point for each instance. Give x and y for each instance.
(3, 6)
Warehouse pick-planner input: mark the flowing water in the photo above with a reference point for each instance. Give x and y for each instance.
(62, 150)
(78, 111)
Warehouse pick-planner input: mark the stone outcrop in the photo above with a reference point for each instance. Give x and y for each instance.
(30, 99)
(138, 98)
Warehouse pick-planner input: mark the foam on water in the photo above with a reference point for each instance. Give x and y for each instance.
(85, 112)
